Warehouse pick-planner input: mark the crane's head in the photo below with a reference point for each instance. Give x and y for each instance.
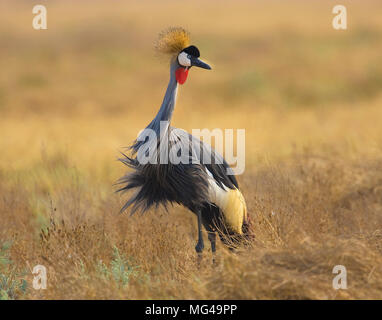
(175, 42)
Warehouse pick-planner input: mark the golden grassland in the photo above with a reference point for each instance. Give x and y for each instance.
(309, 97)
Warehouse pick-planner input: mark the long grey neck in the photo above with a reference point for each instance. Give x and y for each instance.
(165, 112)
(168, 104)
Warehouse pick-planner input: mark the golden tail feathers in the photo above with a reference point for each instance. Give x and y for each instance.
(232, 204)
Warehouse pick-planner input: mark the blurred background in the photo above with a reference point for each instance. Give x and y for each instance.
(72, 96)
(85, 86)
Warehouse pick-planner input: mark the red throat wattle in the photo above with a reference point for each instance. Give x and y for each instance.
(181, 75)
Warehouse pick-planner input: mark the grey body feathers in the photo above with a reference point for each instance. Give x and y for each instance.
(185, 184)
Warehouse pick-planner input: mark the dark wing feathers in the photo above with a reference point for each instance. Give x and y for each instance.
(218, 167)
(186, 184)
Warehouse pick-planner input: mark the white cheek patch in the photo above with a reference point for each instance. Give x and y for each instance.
(183, 59)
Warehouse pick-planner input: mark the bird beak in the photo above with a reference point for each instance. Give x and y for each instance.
(199, 63)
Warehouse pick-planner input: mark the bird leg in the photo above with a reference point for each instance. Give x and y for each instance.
(212, 238)
(200, 245)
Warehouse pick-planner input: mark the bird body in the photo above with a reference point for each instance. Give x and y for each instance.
(167, 174)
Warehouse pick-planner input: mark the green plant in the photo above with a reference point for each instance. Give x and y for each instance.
(11, 282)
(121, 269)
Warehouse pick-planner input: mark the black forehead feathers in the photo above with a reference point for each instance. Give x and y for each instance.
(192, 50)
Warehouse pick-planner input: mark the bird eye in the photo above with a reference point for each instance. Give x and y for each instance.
(189, 56)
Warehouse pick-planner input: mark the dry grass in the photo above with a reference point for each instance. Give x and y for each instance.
(309, 98)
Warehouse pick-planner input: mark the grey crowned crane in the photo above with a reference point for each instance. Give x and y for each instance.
(206, 188)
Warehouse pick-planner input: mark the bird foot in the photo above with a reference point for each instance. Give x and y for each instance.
(199, 259)
(214, 262)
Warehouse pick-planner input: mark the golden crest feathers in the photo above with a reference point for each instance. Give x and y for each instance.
(172, 40)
